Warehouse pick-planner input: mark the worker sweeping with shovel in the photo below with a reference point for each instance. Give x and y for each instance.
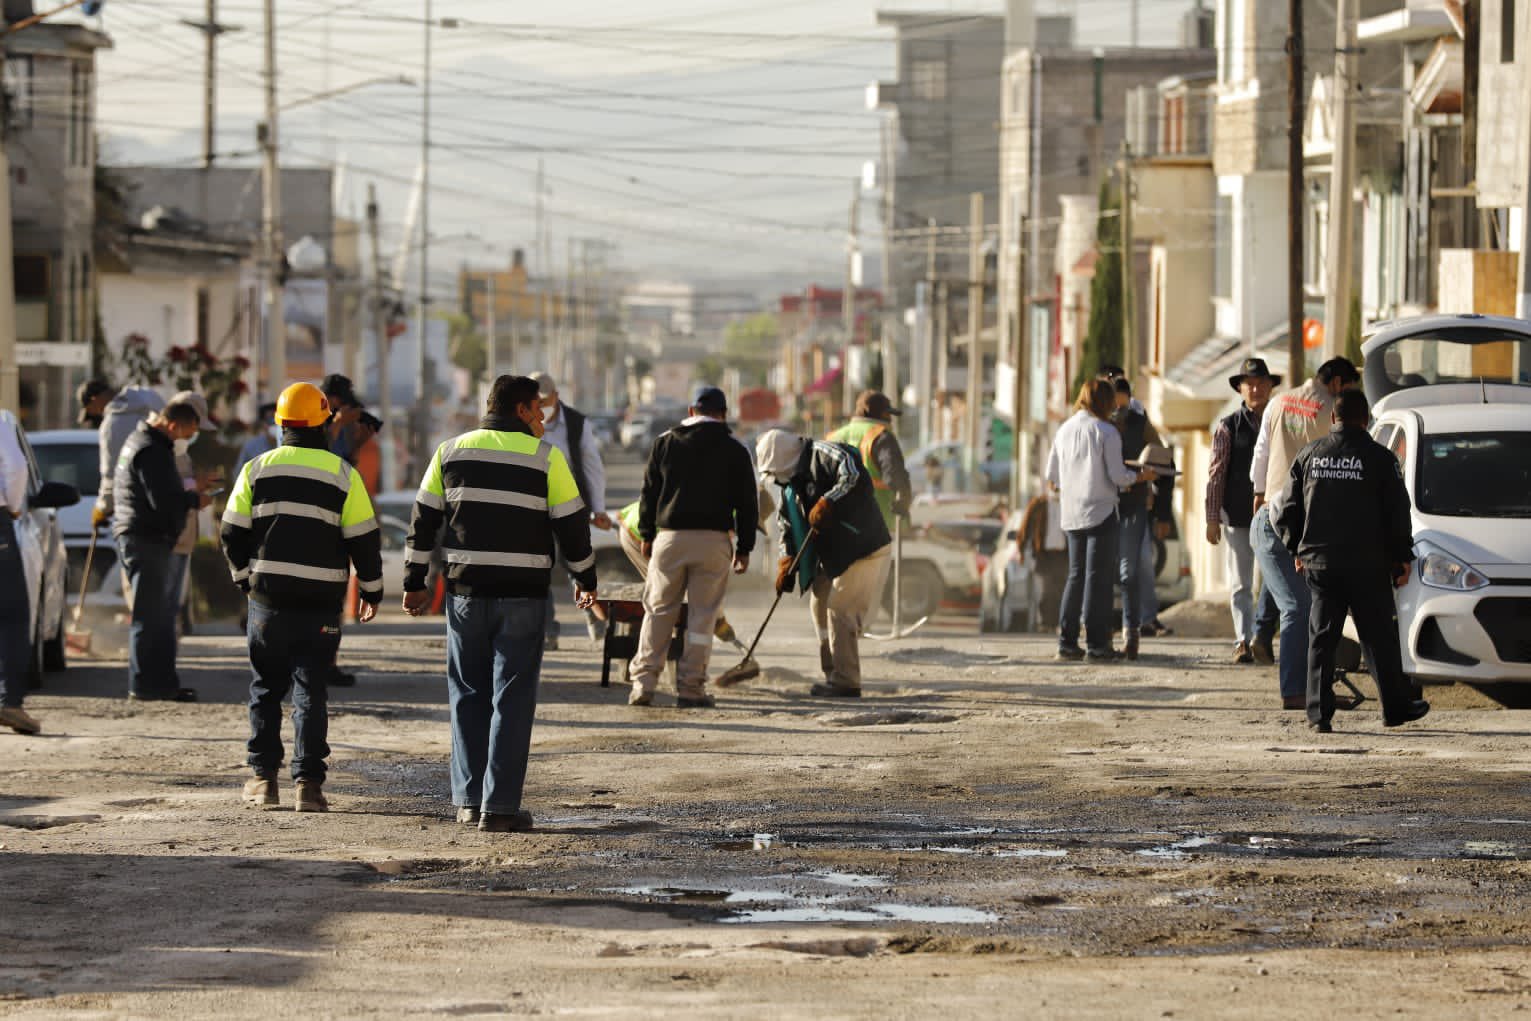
(835, 546)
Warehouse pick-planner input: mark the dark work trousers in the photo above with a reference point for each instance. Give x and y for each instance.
(291, 650)
(1093, 568)
(15, 618)
(151, 637)
(1052, 567)
(1368, 597)
(494, 662)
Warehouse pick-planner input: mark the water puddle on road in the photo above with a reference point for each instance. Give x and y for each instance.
(932, 915)
(1179, 848)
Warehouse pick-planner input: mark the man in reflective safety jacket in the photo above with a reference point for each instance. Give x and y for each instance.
(298, 518)
(504, 494)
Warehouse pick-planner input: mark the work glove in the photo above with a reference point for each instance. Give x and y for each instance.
(98, 517)
(783, 576)
(822, 514)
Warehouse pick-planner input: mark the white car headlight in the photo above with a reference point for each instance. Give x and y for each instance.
(1440, 569)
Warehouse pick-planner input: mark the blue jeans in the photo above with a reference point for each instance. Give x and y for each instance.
(1093, 565)
(1148, 580)
(1252, 620)
(291, 650)
(1293, 599)
(151, 639)
(15, 613)
(494, 660)
(1134, 525)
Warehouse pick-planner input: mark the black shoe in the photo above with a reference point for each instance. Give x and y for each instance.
(834, 691)
(1416, 710)
(179, 695)
(520, 822)
(1070, 653)
(342, 679)
(1103, 656)
(696, 702)
(550, 643)
(1322, 726)
(1130, 650)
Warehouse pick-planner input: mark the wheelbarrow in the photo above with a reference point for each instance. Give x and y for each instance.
(624, 622)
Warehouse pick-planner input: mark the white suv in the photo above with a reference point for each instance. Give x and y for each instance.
(1451, 397)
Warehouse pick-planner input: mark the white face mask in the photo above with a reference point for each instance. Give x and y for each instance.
(549, 413)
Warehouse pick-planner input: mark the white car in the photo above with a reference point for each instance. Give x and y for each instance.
(43, 558)
(1452, 399)
(72, 456)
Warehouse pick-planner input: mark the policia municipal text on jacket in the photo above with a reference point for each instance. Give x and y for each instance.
(504, 494)
(297, 520)
(1346, 520)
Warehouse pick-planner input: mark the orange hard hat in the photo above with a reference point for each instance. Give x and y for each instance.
(302, 405)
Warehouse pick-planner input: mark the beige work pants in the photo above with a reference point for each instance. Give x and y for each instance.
(840, 607)
(689, 566)
(632, 546)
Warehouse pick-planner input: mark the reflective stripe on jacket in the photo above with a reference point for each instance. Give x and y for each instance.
(297, 519)
(504, 496)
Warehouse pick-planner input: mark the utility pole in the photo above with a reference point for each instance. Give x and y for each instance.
(1295, 208)
(1472, 20)
(971, 454)
(422, 317)
(943, 351)
(271, 222)
(1021, 397)
(492, 364)
(380, 341)
(891, 310)
(848, 300)
(1342, 178)
(1523, 54)
(211, 30)
(920, 367)
(10, 374)
(1132, 355)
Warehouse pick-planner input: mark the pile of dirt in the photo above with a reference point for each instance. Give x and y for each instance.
(1199, 618)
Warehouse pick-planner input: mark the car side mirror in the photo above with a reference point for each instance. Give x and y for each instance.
(55, 495)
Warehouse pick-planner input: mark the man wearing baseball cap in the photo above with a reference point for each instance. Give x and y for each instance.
(699, 487)
(94, 395)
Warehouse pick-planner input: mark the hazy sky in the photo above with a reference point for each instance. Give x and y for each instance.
(703, 137)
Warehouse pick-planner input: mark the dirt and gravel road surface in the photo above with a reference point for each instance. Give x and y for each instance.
(986, 833)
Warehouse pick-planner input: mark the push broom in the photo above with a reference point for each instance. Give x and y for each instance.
(747, 669)
(75, 638)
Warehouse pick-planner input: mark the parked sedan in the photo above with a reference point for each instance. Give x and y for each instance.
(1452, 400)
(43, 559)
(72, 456)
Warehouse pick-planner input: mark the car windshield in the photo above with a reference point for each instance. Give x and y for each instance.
(77, 464)
(1430, 361)
(1479, 475)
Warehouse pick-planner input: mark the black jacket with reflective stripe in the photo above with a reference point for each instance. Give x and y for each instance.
(504, 497)
(151, 501)
(298, 518)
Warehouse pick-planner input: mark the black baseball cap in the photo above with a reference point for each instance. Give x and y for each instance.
(339, 389)
(710, 400)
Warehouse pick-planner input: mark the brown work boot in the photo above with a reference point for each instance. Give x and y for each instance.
(695, 700)
(1241, 653)
(640, 697)
(310, 797)
(261, 792)
(19, 720)
(1130, 649)
(834, 691)
(1260, 649)
(519, 822)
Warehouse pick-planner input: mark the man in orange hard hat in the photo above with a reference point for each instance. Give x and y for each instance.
(298, 518)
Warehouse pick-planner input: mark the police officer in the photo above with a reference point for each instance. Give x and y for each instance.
(298, 518)
(1346, 520)
(504, 494)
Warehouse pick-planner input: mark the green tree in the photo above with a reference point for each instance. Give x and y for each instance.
(1353, 331)
(1103, 337)
(751, 346)
(466, 346)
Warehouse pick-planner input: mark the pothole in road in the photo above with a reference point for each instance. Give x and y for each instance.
(760, 904)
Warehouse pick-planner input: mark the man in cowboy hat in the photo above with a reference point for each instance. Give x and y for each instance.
(1230, 509)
